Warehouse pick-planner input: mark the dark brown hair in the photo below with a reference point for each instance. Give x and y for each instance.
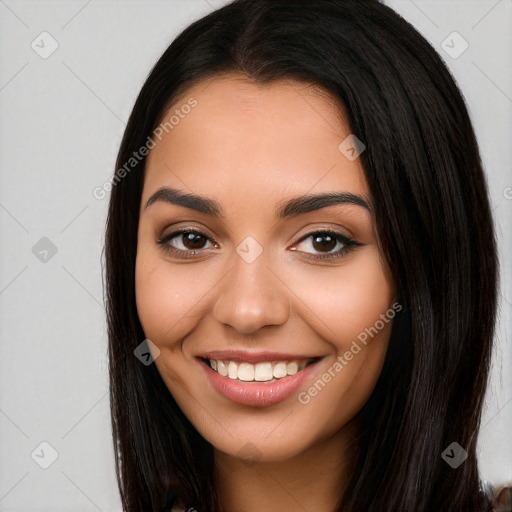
(434, 224)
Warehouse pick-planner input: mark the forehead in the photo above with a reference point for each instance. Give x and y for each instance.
(267, 140)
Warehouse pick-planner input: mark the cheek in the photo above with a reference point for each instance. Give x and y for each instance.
(356, 313)
(167, 299)
(347, 300)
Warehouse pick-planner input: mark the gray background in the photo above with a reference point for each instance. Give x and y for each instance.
(61, 124)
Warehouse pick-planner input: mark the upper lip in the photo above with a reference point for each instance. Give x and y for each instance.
(243, 356)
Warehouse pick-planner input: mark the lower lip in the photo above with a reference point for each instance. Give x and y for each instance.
(257, 394)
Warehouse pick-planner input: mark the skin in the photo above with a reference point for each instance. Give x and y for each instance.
(250, 147)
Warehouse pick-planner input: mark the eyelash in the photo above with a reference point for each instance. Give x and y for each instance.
(348, 244)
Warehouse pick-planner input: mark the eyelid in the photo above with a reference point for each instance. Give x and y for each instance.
(348, 244)
(331, 231)
(164, 239)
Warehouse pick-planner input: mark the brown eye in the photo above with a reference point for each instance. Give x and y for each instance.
(193, 240)
(326, 245)
(324, 242)
(185, 242)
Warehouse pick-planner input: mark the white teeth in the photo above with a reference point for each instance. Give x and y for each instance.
(221, 368)
(232, 370)
(263, 372)
(279, 370)
(292, 368)
(245, 372)
(260, 372)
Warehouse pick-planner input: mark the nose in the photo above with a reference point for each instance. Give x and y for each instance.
(251, 297)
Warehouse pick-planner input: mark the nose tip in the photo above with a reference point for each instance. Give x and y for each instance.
(248, 319)
(251, 298)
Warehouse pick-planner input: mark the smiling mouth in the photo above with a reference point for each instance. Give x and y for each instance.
(267, 371)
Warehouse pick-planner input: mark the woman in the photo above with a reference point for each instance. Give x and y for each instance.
(300, 253)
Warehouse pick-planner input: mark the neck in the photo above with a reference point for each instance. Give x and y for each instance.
(311, 480)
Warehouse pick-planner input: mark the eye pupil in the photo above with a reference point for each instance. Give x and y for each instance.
(193, 240)
(324, 241)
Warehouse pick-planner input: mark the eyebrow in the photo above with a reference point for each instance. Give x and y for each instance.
(292, 207)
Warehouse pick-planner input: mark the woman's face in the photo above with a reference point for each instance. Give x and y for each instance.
(273, 272)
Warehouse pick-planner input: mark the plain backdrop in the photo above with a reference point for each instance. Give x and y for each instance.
(62, 119)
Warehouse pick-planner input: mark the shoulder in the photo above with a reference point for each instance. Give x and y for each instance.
(502, 501)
